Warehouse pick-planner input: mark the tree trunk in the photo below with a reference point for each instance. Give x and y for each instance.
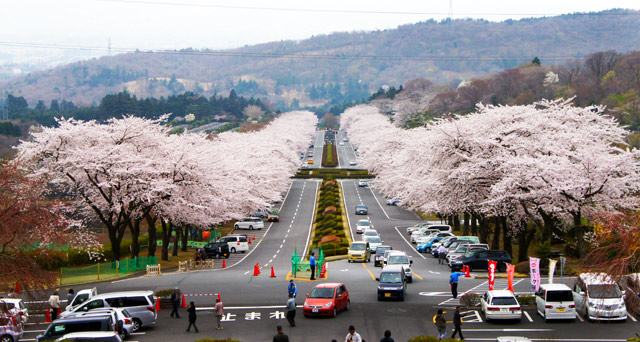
(465, 227)
(185, 237)
(134, 227)
(116, 233)
(456, 222)
(549, 225)
(579, 233)
(524, 240)
(483, 228)
(179, 230)
(450, 220)
(474, 225)
(495, 243)
(167, 229)
(506, 236)
(153, 238)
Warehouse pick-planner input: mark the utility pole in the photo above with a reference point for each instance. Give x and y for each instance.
(4, 106)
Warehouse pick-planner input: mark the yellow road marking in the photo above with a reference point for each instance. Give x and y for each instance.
(443, 312)
(371, 274)
(419, 277)
(289, 277)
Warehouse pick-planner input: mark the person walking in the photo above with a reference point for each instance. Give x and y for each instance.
(453, 281)
(291, 311)
(12, 293)
(292, 289)
(70, 295)
(219, 311)
(441, 325)
(54, 304)
(442, 253)
(387, 337)
(457, 323)
(353, 336)
(280, 336)
(175, 302)
(312, 264)
(192, 317)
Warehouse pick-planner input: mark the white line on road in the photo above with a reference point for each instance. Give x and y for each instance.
(509, 330)
(528, 317)
(409, 243)
(632, 318)
(380, 205)
(247, 272)
(579, 317)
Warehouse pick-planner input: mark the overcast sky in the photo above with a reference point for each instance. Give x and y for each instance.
(218, 24)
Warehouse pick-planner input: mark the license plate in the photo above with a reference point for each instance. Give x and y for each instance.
(314, 310)
(560, 309)
(504, 310)
(387, 294)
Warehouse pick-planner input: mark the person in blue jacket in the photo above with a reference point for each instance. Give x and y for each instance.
(292, 289)
(453, 281)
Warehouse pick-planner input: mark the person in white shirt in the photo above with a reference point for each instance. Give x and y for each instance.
(352, 336)
(442, 252)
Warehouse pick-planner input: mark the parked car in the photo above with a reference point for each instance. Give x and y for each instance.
(122, 319)
(217, 250)
(15, 307)
(362, 183)
(309, 161)
(273, 216)
(480, 260)
(86, 336)
(631, 285)
(461, 240)
(352, 162)
(393, 201)
(139, 304)
(500, 304)
(378, 259)
(402, 259)
(359, 251)
(363, 225)
(599, 297)
(392, 283)
(250, 223)
(10, 329)
(374, 242)
(425, 247)
(555, 301)
(326, 300)
(63, 326)
(261, 213)
(81, 297)
(236, 243)
(361, 209)
(463, 248)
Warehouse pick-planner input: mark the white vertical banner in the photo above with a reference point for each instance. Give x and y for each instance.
(552, 269)
(534, 271)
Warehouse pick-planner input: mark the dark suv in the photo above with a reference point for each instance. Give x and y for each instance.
(479, 259)
(378, 260)
(217, 250)
(392, 283)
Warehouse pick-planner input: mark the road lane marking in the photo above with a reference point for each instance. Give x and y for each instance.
(632, 318)
(371, 274)
(415, 274)
(528, 317)
(512, 330)
(579, 317)
(409, 243)
(380, 205)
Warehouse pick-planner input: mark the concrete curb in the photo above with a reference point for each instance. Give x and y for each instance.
(335, 258)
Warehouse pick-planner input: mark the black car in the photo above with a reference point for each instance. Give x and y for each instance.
(479, 259)
(379, 258)
(217, 250)
(393, 283)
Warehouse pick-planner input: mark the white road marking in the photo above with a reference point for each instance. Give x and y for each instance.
(528, 317)
(270, 261)
(409, 243)
(554, 339)
(247, 272)
(478, 316)
(380, 205)
(282, 243)
(432, 272)
(579, 317)
(511, 330)
(632, 318)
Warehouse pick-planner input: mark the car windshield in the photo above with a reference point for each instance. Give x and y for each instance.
(364, 223)
(397, 259)
(381, 250)
(450, 243)
(357, 246)
(462, 249)
(604, 291)
(390, 277)
(374, 239)
(504, 301)
(559, 296)
(321, 292)
(370, 233)
(361, 207)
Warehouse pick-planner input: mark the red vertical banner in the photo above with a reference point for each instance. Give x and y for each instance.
(511, 270)
(492, 273)
(17, 289)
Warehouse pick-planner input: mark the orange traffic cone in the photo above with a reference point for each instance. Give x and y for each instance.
(158, 308)
(466, 273)
(254, 237)
(184, 301)
(47, 316)
(273, 274)
(249, 239)
(256, 270)
(224, 263)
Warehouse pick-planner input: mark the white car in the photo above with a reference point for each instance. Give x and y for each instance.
(374, 242)
(500, 304)
(370, 232)
(399, 258)
(352, 162)
(362, 183)
(555, 301)
(16, 308)
(363, 225)
(236, 243)
(110, 336)
(81, 297)
(250, 223)
(393, 201)
(341, 143)
(512, 339)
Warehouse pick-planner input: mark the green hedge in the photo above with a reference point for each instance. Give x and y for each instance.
(336, 173)
(329, 152)
(331, 222)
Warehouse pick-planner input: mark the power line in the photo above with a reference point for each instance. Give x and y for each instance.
(319, 10)
(284, 55)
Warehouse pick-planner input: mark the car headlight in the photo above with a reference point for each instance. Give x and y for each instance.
(621, 306)
(328, 305)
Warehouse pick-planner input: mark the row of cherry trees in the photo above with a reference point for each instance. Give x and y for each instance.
(130, 170)
(550, 164)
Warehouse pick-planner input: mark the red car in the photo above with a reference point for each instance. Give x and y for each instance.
(326, 300)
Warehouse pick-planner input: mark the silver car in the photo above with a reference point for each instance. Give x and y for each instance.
(120, 315)
(8, 330)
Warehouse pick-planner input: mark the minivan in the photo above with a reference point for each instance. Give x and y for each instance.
(392, 283)
(139, 304)
(250, 223)
(555, 301)
(599, 297)
(237, 243)
(402, 259)
(82, 297)
(480, 260)
(63, 326)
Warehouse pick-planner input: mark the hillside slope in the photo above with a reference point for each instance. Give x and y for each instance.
(341, 65)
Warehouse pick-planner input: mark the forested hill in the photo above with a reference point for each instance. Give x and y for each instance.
(341, 66)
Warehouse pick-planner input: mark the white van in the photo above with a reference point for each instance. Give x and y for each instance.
(599, 297)
(555, 301)
(250, 223)
(81, 297)
(236, 243)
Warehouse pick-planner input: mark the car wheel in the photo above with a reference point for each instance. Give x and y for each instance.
(348, 306)
(428, 250)
(348, 260)
(236, 227)
(250, 227)
(335, 312)
(136, 324)
(233, 249)
(123, 335)
(6, 338)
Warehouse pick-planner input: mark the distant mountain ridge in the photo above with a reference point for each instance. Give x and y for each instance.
(346, 65)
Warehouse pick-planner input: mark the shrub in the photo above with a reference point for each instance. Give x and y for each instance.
(431, 339)
(544, 252)
(522, 267)
(470, 299)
